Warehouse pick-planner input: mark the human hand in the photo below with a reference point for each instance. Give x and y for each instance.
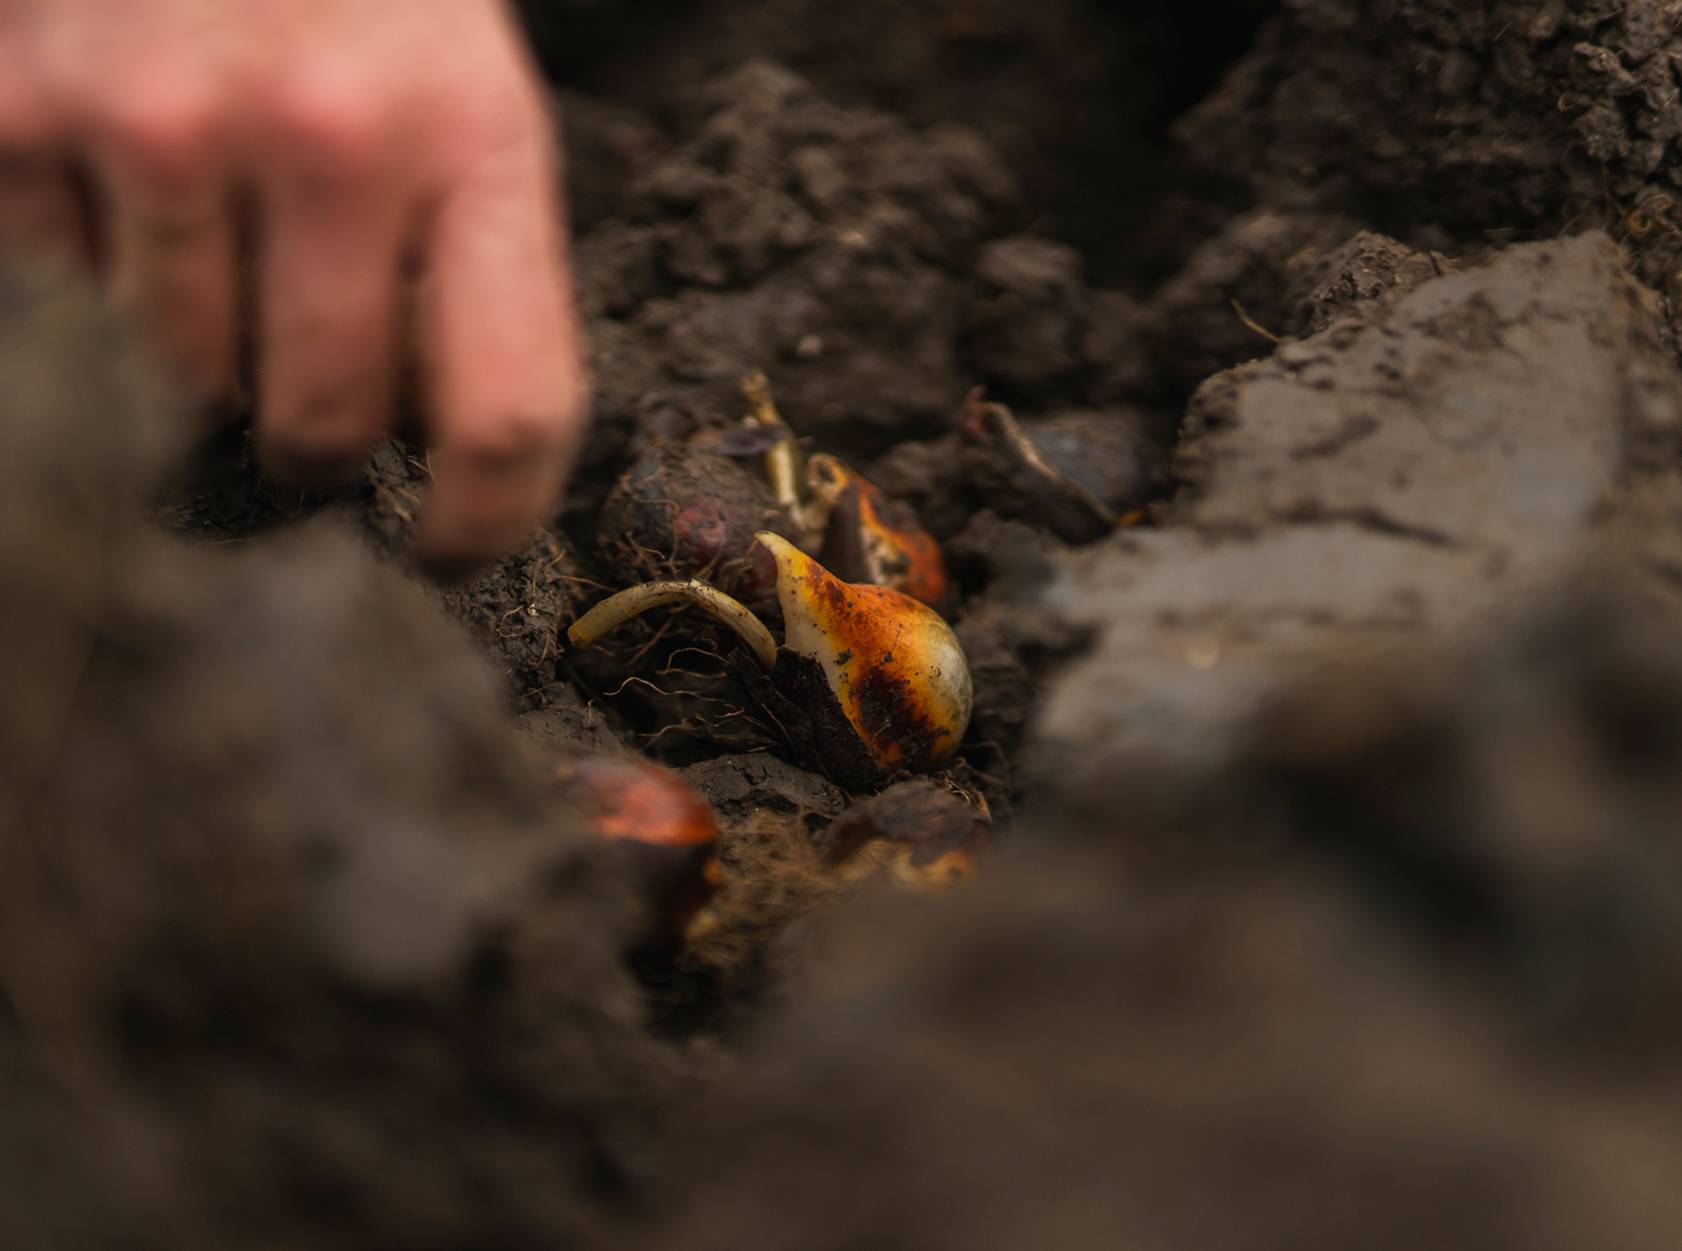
(385, 171)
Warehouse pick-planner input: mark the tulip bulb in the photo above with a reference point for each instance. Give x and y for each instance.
(662, 829)
(890, 681)
(893, 664)
(628, 799)
(869, 538)
(1079, 474)
(857, 532)
(931, 835)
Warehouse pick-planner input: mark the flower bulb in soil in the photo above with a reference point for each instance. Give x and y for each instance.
(892, 663)
(661, 826)
(869, 538)
(1077, 474)
(682, 512)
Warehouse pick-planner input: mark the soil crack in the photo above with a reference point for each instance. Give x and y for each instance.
(1376, 521)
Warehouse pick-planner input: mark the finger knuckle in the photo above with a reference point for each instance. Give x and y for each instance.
(24, 123)
(333, 123)
(528, 432)
(502, 125)
(161, 129)
(509, 435)
(26, 113)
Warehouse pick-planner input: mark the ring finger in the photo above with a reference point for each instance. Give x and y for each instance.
(169, 240)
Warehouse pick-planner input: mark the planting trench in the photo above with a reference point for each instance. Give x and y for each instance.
(1336, 895)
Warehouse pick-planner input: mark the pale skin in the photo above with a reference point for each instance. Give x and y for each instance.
(382, 174)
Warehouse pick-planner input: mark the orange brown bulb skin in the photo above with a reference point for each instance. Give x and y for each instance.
(857, 532)
(625, 798)
(661, 827)
(949, 869)
(893, 665)
(868, 538)
(915, 559)
(868, 681)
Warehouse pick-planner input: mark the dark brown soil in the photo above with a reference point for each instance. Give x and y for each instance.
(285, 911)
(1075, 95)
(1329, 721)
(1489, 123)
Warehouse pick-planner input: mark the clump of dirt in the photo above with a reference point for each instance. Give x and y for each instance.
(607, 143)
(516, 610)
(566, 722)
(1075, 95)
(1364, 269)
(1059, 1054)
(769, 874)
(62, 1182)
(932, 835)
(282, 900)
(829, 247)
(1234, 297)
(1035, 331)
(1506, 120)
(1530, 847)
(771, 817)
(1400, 472)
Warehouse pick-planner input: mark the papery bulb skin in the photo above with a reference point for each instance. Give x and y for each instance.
(892, 663)
(870, 538)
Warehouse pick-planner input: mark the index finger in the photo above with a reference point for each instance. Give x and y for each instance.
(503, 355)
